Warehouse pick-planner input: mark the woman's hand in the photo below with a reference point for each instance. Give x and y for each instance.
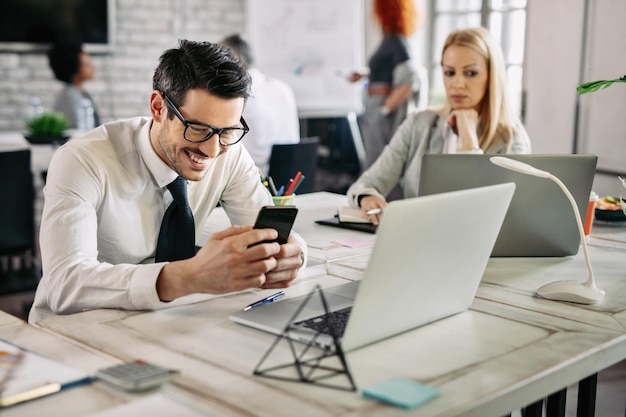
(464, 123)
(372, 202)
(358, 75)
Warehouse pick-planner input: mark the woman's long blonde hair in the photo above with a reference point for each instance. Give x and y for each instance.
(495, 120)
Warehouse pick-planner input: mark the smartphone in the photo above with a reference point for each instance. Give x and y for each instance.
(280, 218)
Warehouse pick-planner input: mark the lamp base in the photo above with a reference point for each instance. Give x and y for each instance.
(572, 291)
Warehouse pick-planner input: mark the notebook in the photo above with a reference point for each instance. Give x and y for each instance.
(540, 221)
(426, 264)
(335, 222)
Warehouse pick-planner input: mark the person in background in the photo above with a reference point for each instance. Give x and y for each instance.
(475, 118)
(393, 77)
(73, 67)
(108, 190)
(270, 111)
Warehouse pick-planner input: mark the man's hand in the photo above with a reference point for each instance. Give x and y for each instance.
(228, 263)
(288, 261)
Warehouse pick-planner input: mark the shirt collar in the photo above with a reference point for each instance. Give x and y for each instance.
(161, 172)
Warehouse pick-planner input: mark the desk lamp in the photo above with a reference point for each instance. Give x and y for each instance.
(572, 291)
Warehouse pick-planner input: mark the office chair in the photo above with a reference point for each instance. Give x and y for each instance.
(19, 268)
(287, 159)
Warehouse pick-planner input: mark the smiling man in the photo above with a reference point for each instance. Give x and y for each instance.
(107, 194)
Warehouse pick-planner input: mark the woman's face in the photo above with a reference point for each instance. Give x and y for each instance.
(465, 76)
(86, 70)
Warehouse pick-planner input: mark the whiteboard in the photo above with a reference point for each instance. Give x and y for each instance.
(312, 45)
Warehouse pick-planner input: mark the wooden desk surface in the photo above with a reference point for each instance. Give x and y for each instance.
(510, 349)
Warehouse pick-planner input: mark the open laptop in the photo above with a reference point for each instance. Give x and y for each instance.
(540, 220)
(426, 264)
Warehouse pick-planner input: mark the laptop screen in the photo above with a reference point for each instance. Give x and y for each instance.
(540, 220)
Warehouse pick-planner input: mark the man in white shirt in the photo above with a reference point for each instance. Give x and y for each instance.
(271, 109)
(106, 195)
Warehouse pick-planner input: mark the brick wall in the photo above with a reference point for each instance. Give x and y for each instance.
(144, 29)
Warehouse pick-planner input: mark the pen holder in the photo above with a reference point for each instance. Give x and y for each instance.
(284, 200)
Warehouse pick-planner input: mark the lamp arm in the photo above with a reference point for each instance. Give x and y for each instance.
(579, 223)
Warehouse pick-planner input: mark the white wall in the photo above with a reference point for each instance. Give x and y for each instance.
(551, 72)
(558, 120)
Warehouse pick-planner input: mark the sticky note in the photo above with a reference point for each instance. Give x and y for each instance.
(353, 242)
(401, 392)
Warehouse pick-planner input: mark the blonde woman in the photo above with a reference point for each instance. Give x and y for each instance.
(475, 118)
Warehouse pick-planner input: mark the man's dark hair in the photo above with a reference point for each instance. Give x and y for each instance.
(64, 59)
(209, 66)
(240, 47)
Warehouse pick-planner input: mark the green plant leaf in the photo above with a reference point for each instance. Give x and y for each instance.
(590, 87)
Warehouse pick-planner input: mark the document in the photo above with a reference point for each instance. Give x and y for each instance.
(26, 375)
(155, 405)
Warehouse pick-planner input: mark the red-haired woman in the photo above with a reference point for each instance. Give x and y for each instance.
(394, 81)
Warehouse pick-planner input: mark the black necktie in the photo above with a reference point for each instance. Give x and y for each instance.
(177, 238)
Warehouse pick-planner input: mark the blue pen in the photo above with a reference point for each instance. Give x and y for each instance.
(281, 190)
(265, 300)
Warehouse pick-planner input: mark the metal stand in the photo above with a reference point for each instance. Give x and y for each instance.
(311, 363)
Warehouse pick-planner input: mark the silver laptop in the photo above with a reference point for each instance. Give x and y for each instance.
(540, 220)
(426, 264)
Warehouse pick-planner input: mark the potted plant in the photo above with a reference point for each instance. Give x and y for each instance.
(47, 128)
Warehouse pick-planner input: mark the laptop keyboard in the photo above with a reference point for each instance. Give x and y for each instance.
(338, 318)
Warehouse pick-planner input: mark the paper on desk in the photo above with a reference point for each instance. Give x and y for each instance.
(352, 215)
(353, 242)
(31, 371)
(155, 405)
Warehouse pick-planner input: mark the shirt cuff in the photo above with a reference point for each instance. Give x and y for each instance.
(475, 151)
(143, 292)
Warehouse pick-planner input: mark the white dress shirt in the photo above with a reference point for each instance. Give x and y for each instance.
(105, 197)
(272, 116)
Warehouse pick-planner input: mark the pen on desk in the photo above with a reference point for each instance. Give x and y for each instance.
(265, 300)
(373, 211)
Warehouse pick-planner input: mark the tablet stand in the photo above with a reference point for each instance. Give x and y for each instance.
(312, 364)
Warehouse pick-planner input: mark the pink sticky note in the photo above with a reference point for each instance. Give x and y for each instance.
(353, 242)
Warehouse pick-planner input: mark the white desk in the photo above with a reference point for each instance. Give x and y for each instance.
(509, 350)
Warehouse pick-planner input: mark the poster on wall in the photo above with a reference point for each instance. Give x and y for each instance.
(312, 45)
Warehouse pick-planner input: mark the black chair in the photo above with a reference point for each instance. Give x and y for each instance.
(20, 271)
(287, 159)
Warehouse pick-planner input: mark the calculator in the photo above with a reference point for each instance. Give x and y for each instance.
(136, 375)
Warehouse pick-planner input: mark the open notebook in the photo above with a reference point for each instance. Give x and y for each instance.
(427, 262)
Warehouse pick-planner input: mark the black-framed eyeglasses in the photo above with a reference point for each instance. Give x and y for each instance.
(200, 132)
